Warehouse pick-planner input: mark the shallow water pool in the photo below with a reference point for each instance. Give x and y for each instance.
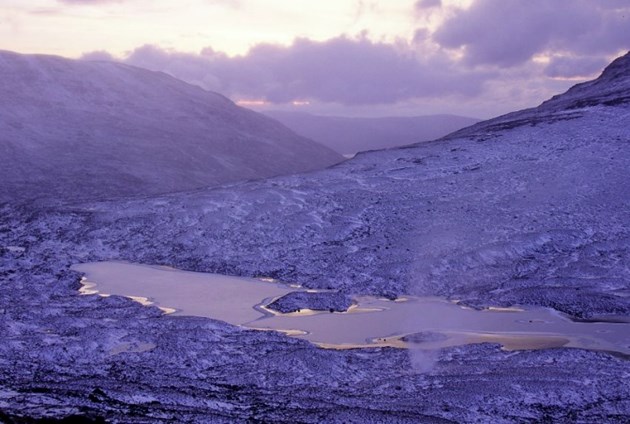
(421, 322)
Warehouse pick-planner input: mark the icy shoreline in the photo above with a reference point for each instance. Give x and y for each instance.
(94, 357)
(370, 322)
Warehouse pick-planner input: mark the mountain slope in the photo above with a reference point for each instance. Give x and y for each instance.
(521, 204)
(612, 88)
(352, 135)
(74, 129)
(532, 208)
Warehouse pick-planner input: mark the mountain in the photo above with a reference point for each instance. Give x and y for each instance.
(531, 209)
(351, 135)
(84, 130)
(612, 88)
(496, 213)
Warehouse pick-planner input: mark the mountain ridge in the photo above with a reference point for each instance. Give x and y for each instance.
(611, 88)
(531, 214)
(80, 130)
(456, 217)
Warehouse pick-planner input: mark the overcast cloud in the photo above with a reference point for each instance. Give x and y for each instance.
(427, 4)
(573, 67)
(89, 1)
(342, 70)
(535, 46)
(510, 32)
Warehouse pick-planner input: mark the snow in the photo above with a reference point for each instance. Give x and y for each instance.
(88, 130)
(532, 208)
(489, 222)
(15, 249)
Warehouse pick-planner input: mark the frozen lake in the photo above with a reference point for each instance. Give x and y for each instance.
(429, 323)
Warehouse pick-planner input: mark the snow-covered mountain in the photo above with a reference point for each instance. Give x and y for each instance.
(532, 208)
(496, 214)
(77, 129)
(612, 88)
(351, 135)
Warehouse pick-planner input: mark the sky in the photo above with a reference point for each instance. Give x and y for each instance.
(478, 58)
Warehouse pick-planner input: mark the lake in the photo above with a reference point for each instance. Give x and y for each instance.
(418, 322)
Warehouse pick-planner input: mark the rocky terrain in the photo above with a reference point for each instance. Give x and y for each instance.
(532, 208)
(90, 130)
(319, 301)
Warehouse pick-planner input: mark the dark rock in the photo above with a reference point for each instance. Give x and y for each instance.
(318, 301)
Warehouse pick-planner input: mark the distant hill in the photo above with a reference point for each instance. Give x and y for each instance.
(352, 135)
(84, 130)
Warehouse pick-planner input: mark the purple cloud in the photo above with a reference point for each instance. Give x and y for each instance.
(98, 55)
(428, 4)
(497, 40)
(507, 33)
(340, 70)
(572, 67)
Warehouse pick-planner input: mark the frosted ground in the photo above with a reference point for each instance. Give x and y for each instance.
(532, 208)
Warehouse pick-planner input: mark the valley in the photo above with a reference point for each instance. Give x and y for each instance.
(528, 209)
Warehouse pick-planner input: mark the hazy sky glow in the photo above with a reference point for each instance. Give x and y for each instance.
(353, 57)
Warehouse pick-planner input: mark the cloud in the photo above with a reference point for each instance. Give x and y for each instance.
(82, 2)
(45, 11)
(98, 55)
(507, 33)
(492, 57)
(427, 4)
(235, 4)
(340, 70)
(572, 67)
(364, 6)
